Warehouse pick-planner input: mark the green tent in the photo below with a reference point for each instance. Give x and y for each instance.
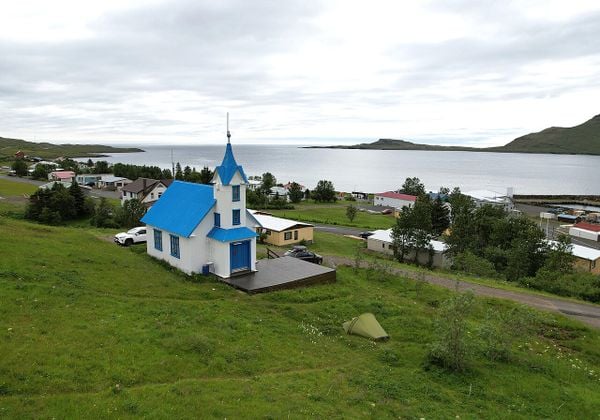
(367, 326)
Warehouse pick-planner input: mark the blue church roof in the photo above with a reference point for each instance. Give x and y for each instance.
(181, 208)
(229, 235)
(229, 167)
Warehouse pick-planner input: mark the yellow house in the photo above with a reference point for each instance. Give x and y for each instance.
(586, 259)
(282, 232)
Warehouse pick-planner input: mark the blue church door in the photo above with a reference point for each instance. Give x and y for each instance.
(240, 255)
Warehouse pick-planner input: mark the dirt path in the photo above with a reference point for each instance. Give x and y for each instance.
(586, 313)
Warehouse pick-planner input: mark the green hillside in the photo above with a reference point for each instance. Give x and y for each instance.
(581, 139)
(92, 330)
(8, 148)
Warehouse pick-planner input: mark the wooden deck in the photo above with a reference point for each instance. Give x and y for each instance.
(282, 273)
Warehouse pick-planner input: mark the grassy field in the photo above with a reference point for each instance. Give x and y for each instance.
(12, 189)
(89, 329)
(335, 214)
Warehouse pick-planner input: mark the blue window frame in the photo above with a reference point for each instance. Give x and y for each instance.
(158, 239)
(235, 191)
(236, 217)
(217, 219)
(174, 246)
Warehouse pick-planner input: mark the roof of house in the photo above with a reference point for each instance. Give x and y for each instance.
(587, 226)
(63, 174)
(276, 224)
(386, 236)
(397, 196)
(112, 178)
(145, 185)
(487, 195)
(229, 167)
(228, 235)
(583, 252)
(181, 208)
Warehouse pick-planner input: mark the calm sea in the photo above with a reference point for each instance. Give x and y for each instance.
(382, 170)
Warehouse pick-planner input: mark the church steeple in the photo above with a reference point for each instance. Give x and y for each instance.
(229, 166)
(228, 133)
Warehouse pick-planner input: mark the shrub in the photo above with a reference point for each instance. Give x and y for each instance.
(452, 348)
(470, 263)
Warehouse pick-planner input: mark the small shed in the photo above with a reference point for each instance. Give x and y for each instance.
(282, 232)
(585, 230)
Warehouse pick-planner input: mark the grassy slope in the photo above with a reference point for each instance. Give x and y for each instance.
(8, 148)
(80, 315)
(11, 189)
(335, 214)
(584, 138)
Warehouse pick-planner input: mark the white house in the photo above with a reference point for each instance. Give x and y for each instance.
(493, 198)
(147, 190)
(394, 199)
(586, 231)
(381, 241)
(198, 228)
(111, 182)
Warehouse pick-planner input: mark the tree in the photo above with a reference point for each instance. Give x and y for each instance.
(41, 172)
(440, 216)
(452, 347)
(295, 193)
(178, 172)
(307, 194)
(166, 174)
(90, 163)
(351, 212)
(413, 186)
(20, 167)
(412, 231)
(103, 214)
(78, 198)
(268, 182)
(187, 173)
(324, 192)
(206, 175)
(101, 167)
(559, 257)
(463, 233)
(130, 214)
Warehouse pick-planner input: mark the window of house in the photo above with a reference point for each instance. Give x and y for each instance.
(236, 217)
(217, 219)
(287, 236)
(158, 240)
(295, 235)
(159, 194)
(268, 232)
(383, 245)
(151, 195)
(175, 246)
(235, 190)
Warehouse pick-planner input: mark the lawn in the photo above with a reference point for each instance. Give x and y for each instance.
(13, 188)
(335, 214)
(89, 329)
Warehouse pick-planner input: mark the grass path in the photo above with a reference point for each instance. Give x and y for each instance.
(584, 312)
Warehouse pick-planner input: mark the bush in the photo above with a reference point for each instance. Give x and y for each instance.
(453, 348)
(470, 263)
(584, 286)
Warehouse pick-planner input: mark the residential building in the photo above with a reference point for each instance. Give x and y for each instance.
(201, 228)
(113, 183)
(493, 198)
(381, 241)
(282, 232)
(585, 230)
(63, 176)
(394, 199)
(147, 190)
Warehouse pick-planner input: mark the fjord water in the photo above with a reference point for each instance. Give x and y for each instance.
(382, 170)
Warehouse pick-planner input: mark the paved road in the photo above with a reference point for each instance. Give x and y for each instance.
(340, 230)
(587, 313)
(92, 193)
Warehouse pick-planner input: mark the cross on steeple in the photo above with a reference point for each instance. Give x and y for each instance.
(228, 133)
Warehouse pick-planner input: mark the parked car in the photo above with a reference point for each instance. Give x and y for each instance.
(132, 236)
(365, 235)
(387, 211)
(301, 252)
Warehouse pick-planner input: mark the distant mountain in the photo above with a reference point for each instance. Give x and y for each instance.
(8, 148)
(582, 139)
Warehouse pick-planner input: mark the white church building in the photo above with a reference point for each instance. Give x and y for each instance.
(198, 228)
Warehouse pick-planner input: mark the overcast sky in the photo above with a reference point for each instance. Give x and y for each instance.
(447, 72)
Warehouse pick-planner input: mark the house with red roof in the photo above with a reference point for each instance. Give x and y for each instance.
(585, 230)
(394, 199)
(62, 176)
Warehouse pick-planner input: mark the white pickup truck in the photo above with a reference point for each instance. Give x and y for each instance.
(132, 236)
